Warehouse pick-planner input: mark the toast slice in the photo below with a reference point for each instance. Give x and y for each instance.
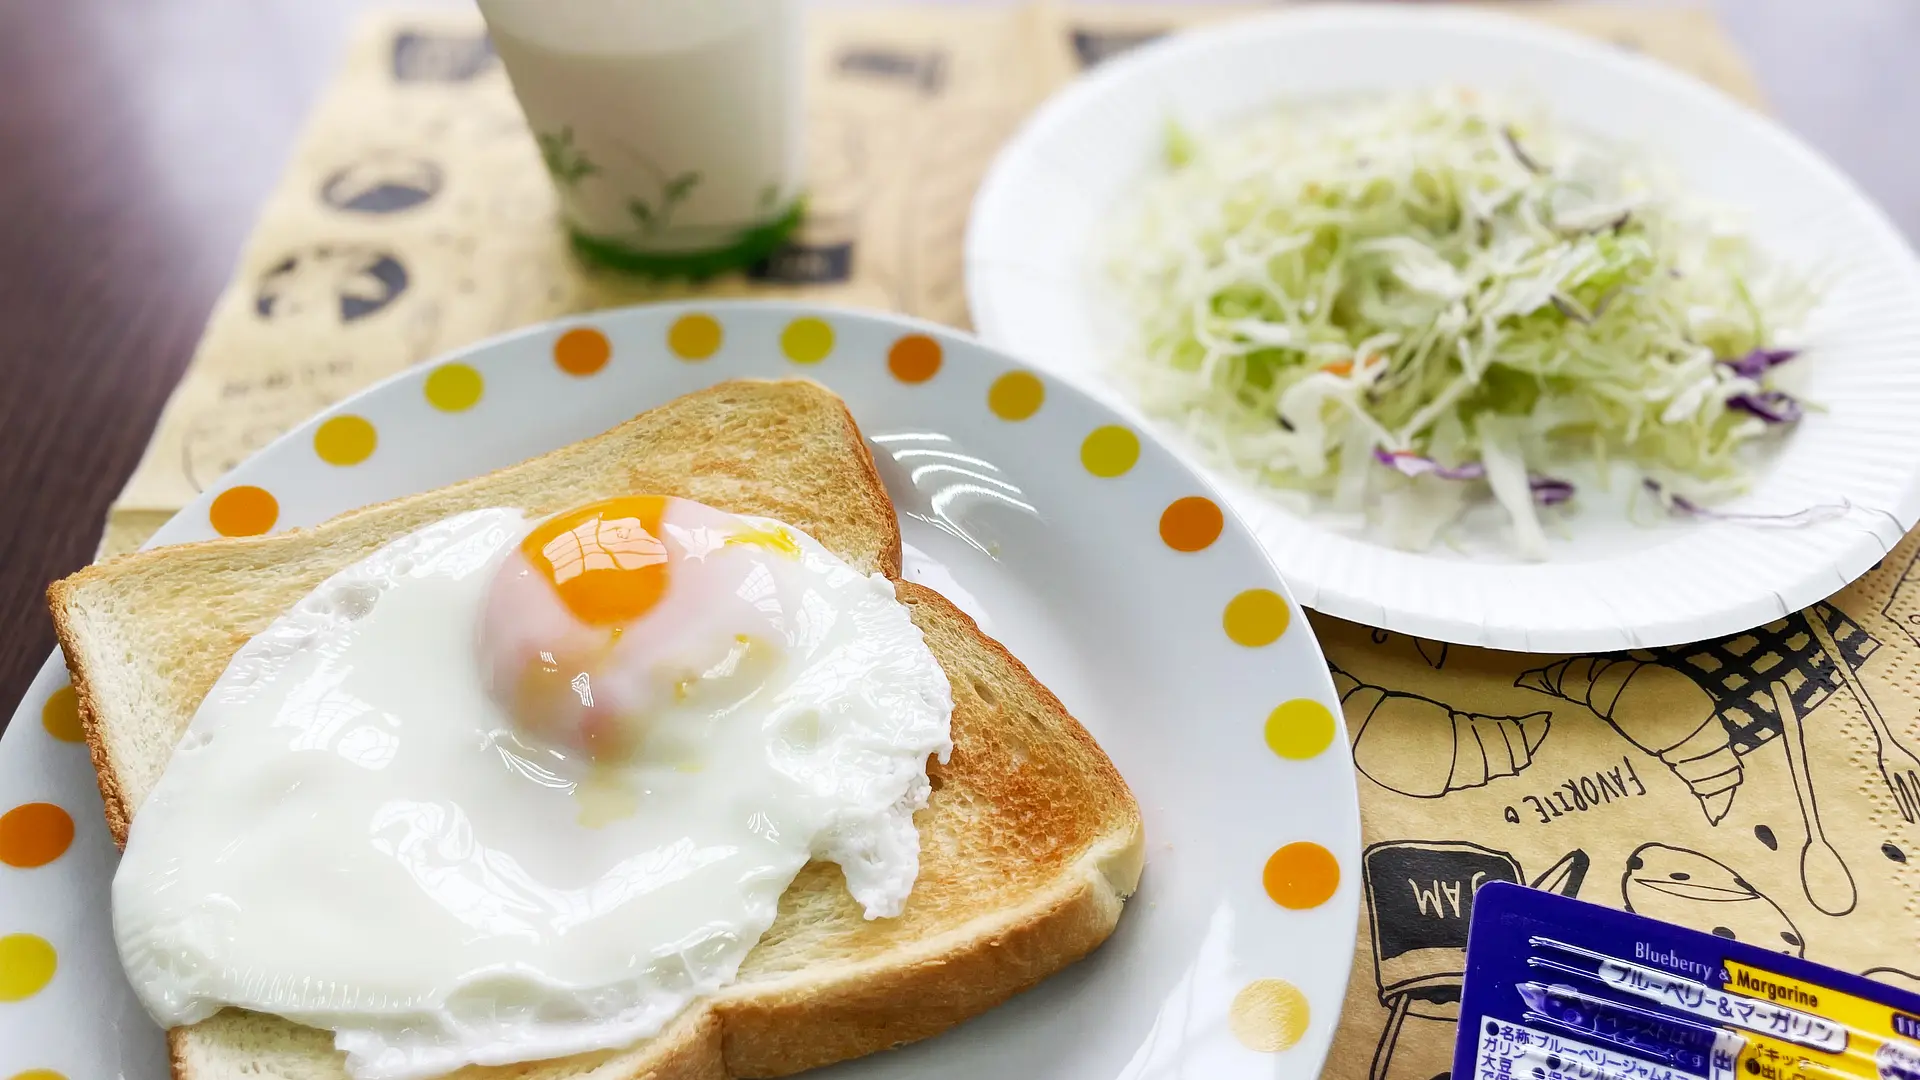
(1029, 842)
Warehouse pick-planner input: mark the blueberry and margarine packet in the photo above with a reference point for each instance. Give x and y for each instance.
(1560, 989)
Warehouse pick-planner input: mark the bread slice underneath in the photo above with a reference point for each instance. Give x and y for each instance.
(1028, 844)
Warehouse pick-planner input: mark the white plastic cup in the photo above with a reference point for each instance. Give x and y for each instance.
(671, 128)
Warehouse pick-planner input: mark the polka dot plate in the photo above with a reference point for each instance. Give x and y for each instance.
(1618, 574)
(1074, 538)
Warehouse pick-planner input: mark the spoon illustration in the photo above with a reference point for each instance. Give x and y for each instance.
(1824, 876)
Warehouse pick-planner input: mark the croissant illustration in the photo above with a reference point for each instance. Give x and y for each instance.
(1658, 709)
(1425, 749)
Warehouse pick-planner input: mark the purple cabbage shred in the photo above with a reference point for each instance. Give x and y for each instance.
(1773, 406)
(1520, 154)
(1759, 361)
(1812, 515)
(1547, 491)
(1408, 463)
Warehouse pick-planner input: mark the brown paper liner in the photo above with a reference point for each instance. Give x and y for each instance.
(415, 218)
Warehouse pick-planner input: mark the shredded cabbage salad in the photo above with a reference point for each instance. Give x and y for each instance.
(1400, 304)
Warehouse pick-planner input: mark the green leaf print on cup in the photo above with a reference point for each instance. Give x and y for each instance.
(672, 193)
(567, 164)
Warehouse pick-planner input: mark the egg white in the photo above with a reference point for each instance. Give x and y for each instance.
(352, 835)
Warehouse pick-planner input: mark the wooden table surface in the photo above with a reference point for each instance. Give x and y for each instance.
(138, 137)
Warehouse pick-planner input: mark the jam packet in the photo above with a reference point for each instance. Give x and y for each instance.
(1561, 989)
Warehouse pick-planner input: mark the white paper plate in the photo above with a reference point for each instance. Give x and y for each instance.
(1236, 752)
(1035, 292)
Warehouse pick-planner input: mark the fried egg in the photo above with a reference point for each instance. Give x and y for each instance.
(508, 789)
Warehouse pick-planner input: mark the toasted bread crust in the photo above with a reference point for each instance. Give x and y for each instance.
(907, 1000)
(824, 984)
(79, 669)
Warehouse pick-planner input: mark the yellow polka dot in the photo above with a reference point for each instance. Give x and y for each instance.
(1299, 729)
(1268, 1015)
(453, 387)
(61, 716)
(34, 834)
(38, 1074)
(1256, 617)
(807, 341)
(1110, 451)
(243, 511)
(26, 966)
(1016, 395)
(582, 351)
(345, 440)
(1301, 875)
(694, 337)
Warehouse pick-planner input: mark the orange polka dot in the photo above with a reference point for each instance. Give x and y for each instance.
(1016, 395)
(34, 834)
(27, 963)
(914, 358)
(582, 351)
(694, 337)
(345, 440)
(243, 511)
(61, 716)
(1191, 524)
(1301, 875)
(38, 1074)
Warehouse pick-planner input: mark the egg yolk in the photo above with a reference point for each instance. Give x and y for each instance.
(611, 615)
(606, 560)
(553, 699)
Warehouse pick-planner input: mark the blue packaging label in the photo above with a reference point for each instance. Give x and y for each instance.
(1560, 989)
